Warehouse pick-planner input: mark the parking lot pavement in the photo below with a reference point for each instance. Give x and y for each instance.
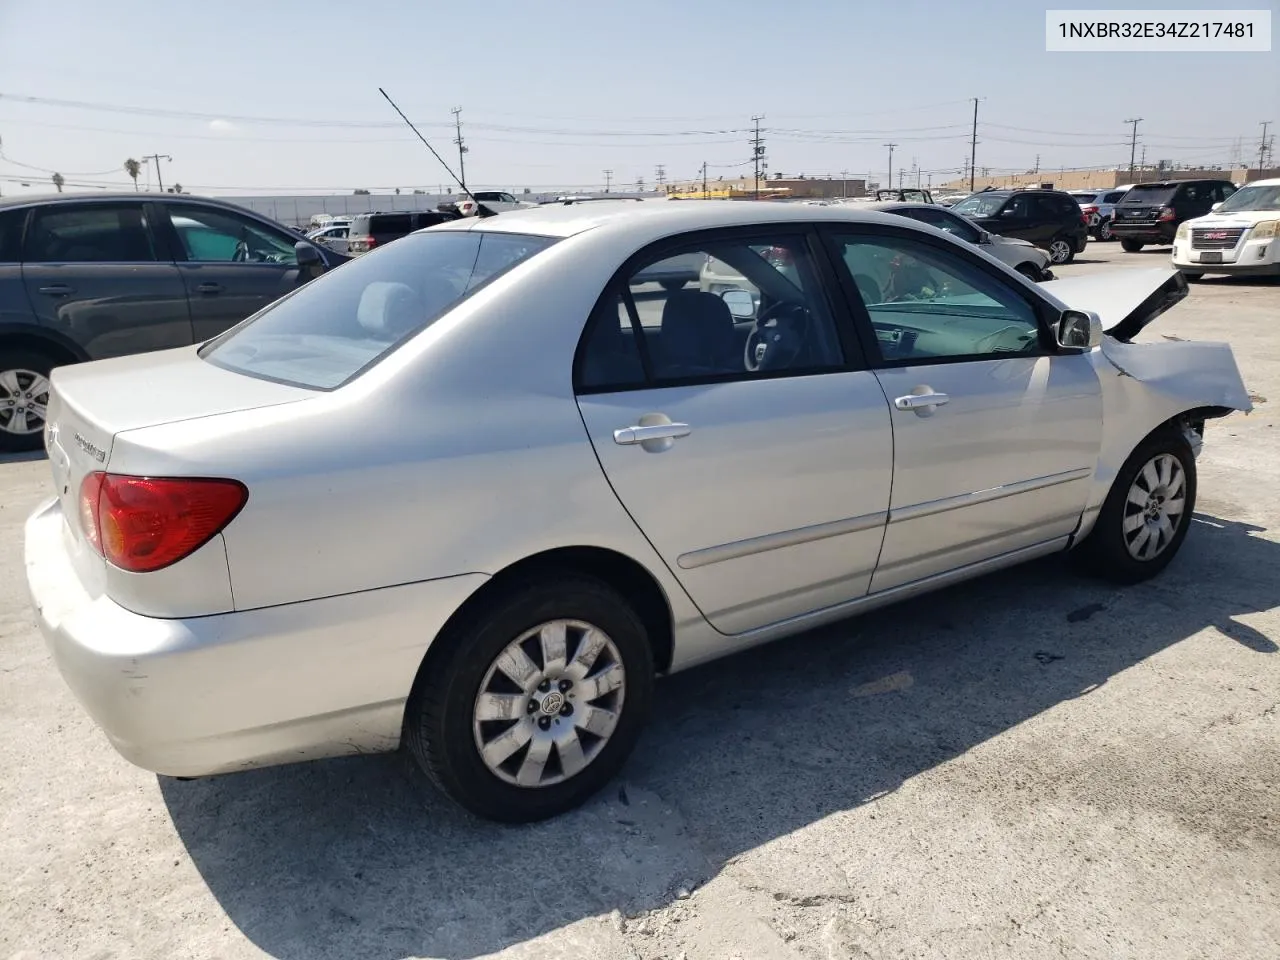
(1030, 765)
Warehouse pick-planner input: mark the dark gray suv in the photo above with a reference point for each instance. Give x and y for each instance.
(89, 277)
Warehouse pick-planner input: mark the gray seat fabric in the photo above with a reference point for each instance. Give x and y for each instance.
(698, 337)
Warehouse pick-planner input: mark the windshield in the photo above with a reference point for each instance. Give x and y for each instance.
(1155, 193)
(1257, 197)
(980, 205)
(332, 329)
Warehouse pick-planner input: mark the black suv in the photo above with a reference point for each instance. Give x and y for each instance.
(1151, 212)
(1051, 219)
(93, 276)
(369, 230)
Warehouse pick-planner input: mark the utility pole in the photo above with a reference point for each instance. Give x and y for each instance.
(704, 180)
(1142, 164)
(1133, 143)
(157, 157)
(889, 182)
(915, 165)
(973, 143)
(902, 174)
(844, 186)
(608, 180)
(1262, 148)
(660, 177)
(462, 147)
(757, 153)
(1037, 164)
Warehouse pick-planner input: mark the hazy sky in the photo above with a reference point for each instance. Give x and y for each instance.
(280, 96)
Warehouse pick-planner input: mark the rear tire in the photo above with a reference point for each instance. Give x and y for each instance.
(1104, 231)
(1131, 246)
(1146, 514)
(458, 693)
(24, 397)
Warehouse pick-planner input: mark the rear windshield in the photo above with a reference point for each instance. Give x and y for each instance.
(391, 223)
(1085, 197)
(336, 326)
(1150, 193)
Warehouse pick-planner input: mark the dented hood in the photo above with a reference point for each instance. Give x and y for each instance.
(1125, 300)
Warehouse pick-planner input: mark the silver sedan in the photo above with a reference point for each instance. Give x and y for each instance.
(473, 492)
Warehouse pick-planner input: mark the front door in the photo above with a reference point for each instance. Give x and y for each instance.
(753, 450)
(232, 265)
(97, 273)
(996, 436)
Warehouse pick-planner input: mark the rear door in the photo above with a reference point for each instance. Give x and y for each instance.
(756, 456)
(231, 265)
(996, 435)
(1015, 219)
(99, 274)
(15, 310)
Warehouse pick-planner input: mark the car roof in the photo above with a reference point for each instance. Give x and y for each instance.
(41, 199)
(1174, 183)
(1272, 182)
(657, 220)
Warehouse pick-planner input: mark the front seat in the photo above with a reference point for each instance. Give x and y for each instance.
(698, 336)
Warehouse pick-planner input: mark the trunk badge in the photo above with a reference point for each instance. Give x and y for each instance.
(94, 451)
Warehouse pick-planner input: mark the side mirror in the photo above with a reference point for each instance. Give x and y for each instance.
(740, 303)
(1215, 206)
(984, 237)
(1078, 330)
(309, 256)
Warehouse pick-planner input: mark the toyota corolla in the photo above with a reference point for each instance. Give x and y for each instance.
(470, 494)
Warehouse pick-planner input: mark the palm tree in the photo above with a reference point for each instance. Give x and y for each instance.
(132, 167)
(58, 181)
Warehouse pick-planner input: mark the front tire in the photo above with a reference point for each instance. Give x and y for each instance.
(1147, 513)
(1061, 251)
(535, 700)
(1131, 246)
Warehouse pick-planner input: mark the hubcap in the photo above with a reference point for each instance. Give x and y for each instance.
(1058, 251)
(1105, 230)
(24, 399)
(549, 703)
(1154, 508)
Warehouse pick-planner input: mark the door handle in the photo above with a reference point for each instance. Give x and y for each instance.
(209, 287)
(56, 289)
(921, 401)
(628, 436)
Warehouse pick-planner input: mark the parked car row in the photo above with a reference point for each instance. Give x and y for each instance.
(90, 277)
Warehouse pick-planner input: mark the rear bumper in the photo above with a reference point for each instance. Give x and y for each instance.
(1144, 232)
(228, 692)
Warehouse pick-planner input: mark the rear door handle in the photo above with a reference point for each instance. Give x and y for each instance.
(209, 287)
(661, 431)
(921, 401)
(56, 289)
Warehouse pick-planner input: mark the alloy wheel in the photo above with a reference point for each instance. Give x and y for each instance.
(1154, 507)
(1059, 251)
(24, 401)
(549, 703)
(1104, 230)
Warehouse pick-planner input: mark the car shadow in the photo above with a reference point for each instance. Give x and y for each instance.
(357, 857)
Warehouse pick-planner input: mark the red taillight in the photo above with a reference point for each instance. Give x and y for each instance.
(1084, 217)
(1166, 213)
(1090, 209)
(141, 524)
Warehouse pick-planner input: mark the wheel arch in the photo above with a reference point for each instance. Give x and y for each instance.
(22, 337)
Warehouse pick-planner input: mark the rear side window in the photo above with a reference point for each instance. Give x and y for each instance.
(336, 326)
(392, 223)
(90, 233)
(11, 235)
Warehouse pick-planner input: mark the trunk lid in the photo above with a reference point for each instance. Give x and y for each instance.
(1125, 300)
(90, 403)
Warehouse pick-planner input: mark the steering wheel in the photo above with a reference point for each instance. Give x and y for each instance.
(776, 340)
(242, 252)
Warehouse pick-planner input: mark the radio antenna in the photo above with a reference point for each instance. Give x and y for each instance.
(481, 209)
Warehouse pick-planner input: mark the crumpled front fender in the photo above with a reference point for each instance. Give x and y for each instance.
(1147, 384)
